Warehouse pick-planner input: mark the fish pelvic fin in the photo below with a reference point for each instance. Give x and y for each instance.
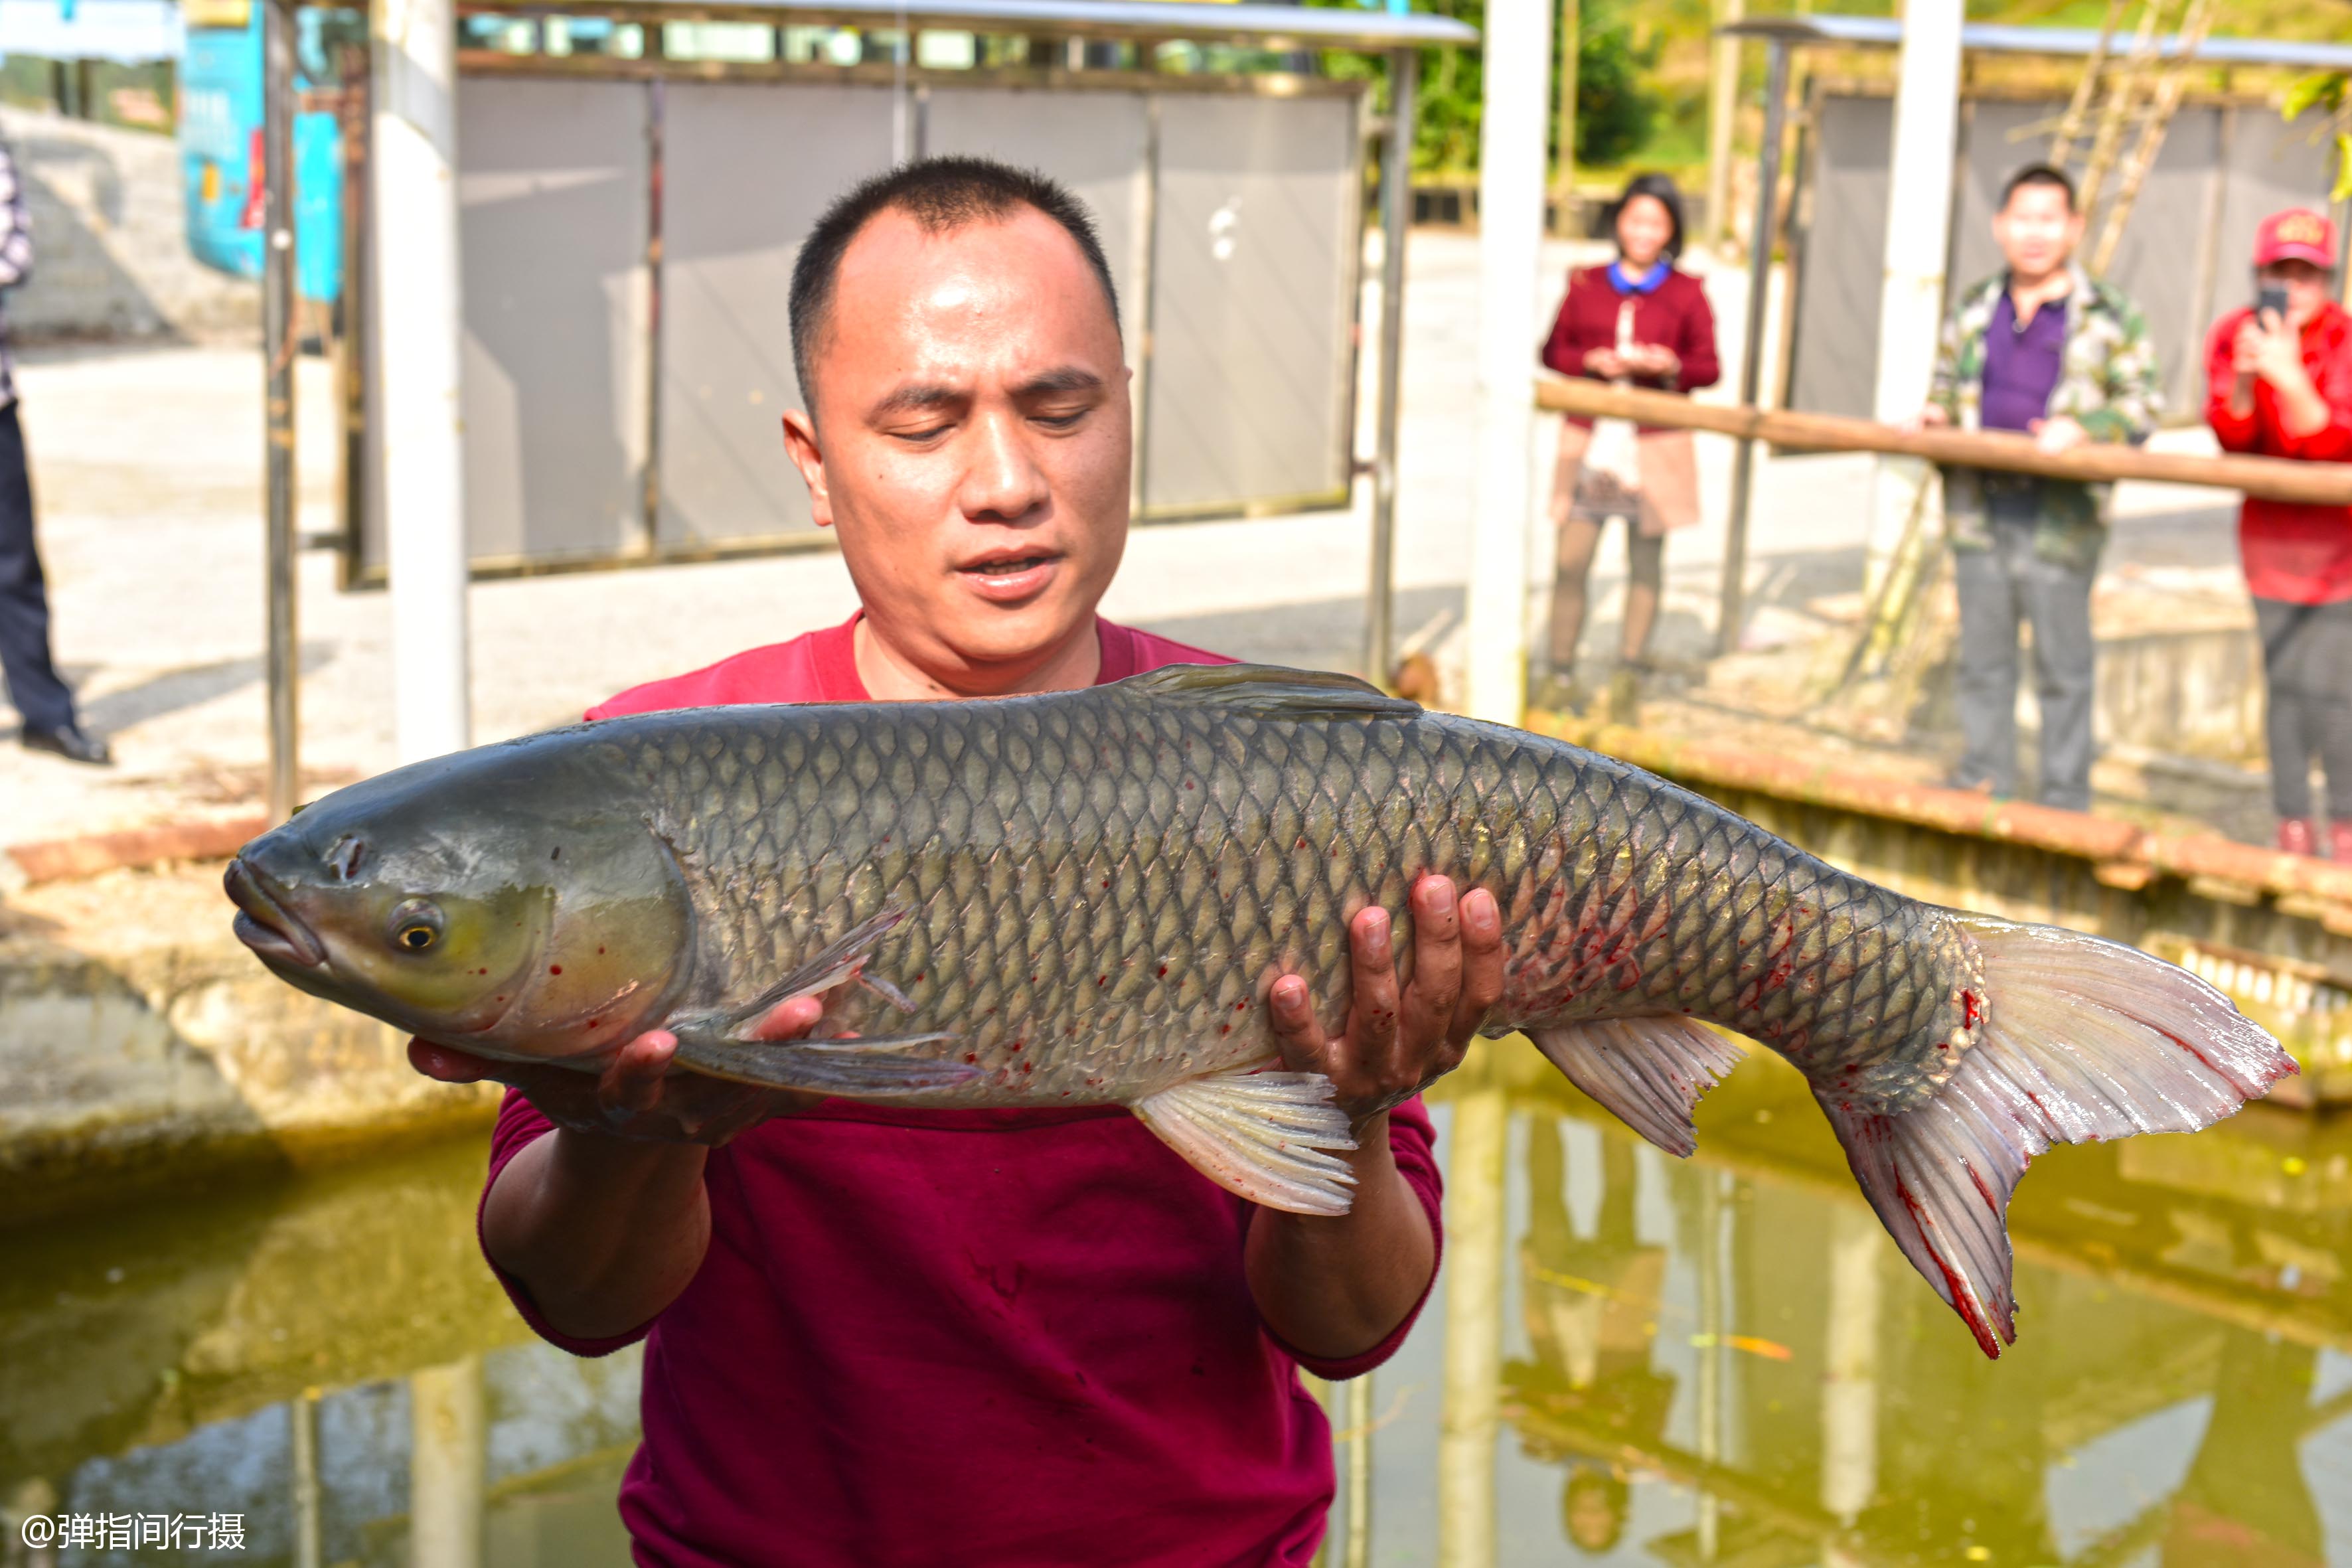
(1268, 1137)
(1649, 1071)
(2083, 1040)
(861, 1067)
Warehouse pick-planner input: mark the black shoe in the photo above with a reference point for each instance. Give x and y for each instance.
(70, 743)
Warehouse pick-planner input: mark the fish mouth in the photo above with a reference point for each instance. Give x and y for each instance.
(265, 925)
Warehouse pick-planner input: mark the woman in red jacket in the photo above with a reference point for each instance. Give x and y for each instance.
(1637, 321)
(2279, 382)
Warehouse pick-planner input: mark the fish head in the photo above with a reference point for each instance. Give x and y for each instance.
(504, 905)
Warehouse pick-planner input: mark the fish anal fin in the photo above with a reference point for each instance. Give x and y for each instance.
(1270, 691)
(1268, 1137)
(1648, 1071)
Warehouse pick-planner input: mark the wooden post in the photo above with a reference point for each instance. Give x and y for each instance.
(1470, 1415)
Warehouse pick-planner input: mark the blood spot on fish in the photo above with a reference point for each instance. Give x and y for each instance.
(1026, 1066)
(1164, 972)
(917, 981)
(1300, 845)
(482, 972)
(1241, 1006)
(1106, 881)
(1018, 1043)
(600, 953)
(1188, 783)
(971, 1056)
(596, 1023)
(555, 969)
(1970, 1011)
(1224, 1028)
(1102, 979)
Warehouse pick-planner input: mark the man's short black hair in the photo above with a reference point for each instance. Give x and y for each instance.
(2037, 174)
(942, 194)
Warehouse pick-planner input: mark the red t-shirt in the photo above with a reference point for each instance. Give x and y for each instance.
(2293, 552)
(1000, 1339)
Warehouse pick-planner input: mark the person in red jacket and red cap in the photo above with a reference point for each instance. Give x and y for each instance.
(2279, 385)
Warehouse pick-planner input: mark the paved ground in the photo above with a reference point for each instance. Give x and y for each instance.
(147, 466)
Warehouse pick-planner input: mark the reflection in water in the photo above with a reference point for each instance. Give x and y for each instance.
(1732, 1350)
(1719, 1361)
(327, 1358)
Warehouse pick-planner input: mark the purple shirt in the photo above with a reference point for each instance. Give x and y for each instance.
(2020, 366)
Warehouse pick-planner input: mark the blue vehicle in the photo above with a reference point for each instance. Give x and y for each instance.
(220, 142)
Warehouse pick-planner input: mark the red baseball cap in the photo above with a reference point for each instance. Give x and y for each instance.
(2297, 234)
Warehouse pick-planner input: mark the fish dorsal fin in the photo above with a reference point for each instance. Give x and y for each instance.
(1265, 1136)
(1270, 691)
(1650, 1071)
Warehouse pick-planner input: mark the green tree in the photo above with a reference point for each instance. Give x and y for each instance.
(1615, 106)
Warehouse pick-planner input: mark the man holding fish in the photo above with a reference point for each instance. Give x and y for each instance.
(993, 1336)
(865, 1033)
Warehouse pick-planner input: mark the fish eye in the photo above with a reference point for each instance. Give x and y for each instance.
(416, 926)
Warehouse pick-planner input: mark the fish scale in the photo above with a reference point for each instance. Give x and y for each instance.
(1085, 898)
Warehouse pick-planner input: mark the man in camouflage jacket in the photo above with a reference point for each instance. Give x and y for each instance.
(2042, 349)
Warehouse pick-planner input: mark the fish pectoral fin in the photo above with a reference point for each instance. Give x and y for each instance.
(1265, 1136)
(822, 970)
(1271, 691)
(859, 1067)
(1648, 1071)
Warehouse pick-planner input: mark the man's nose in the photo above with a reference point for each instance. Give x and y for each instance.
(1003, 480)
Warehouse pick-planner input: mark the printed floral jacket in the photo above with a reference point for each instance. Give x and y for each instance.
(2107, 383)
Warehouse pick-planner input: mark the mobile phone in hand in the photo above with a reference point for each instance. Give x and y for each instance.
(2271, 296)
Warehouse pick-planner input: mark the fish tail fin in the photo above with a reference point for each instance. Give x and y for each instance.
(2084, 1039)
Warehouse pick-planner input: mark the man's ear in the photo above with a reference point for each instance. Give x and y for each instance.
(799, 444)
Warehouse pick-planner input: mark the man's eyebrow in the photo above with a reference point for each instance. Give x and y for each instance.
(1070, 379)
(917, 398)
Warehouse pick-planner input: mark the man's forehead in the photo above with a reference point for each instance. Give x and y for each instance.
(896, 269)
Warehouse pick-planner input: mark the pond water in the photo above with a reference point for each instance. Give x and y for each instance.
(1722, 1360)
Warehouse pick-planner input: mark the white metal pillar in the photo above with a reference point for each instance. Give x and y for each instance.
(1510, 259)
(1850, 1383)
(448, 1421)
(412, 215)
(1470, 1408)
(1918, 238)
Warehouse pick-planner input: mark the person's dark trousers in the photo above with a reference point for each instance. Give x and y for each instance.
(2308, 663)
(2001, 590)
(41, 699)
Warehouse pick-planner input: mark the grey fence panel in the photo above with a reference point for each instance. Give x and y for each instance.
(551, 180)
(1834, 362)
(1254, 264)
(1096, 143)
(747, 169)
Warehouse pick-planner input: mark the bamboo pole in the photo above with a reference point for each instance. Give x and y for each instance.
(2070, 126)
(1470, 1414)
(2274, 479)
(2193, 28)
(2115, 115)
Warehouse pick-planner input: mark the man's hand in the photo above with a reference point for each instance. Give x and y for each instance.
(2059, 435)
(1931, 416)
(1398, 1040)
(639, 1096)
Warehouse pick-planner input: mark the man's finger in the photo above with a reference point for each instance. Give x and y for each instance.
(1437, 958)
(1297, 1032)
(1482, 963)
(788, 1020)
(1374, 1007)
(632, 1080)
(448, 1066)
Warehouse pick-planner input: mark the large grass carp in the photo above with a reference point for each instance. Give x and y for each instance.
(1086, 897)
